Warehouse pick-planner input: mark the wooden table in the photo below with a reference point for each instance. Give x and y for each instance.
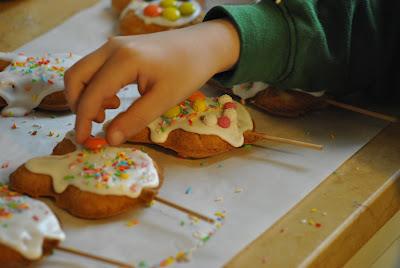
(360, 195)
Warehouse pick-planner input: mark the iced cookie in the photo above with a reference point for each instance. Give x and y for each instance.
(201, 127)
(28, 82)
(288, 103)
(28, 229)
(140, 17)
(91, 182)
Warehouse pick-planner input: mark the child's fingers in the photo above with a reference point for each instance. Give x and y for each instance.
(78, 76)
(105, 83)
(100, 117)
(112, 103)
(139, 114)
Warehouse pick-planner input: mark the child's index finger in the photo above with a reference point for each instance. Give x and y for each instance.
(78, 76)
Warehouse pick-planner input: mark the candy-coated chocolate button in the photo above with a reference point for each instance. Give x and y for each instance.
(230, 105)
(198, 95)
(152, 10)
(171, 13)
(94, 143)
(173, 112)
(187, 8)
(168, 3)
(199, 105)
(224, 121)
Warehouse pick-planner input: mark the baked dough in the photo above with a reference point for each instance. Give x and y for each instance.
(28, 229)
(133, 20)
(27, 82)
(287, 103)
(192, 145)
(92, 202)
(201, 127)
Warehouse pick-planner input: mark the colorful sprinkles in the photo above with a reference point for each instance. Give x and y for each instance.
(28, 79)
(25, 223)
(102, 169)
(43, 69)
(185, 255)
(11, 203)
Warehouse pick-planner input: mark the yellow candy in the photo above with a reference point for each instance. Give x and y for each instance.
(199, 105)
(168, 3)
(171, 13)
(124, 176)
(173, 112)
(187, 9)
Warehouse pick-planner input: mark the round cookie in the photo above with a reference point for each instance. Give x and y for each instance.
(28, 229)
(90, 184)
(28, 82)
(140, 17)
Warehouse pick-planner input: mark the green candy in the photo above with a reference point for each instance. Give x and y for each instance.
(171, 14)
(187, 9)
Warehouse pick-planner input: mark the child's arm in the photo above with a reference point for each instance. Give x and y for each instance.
(167, 66)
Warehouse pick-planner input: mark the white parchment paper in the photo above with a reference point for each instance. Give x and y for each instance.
(252, 186)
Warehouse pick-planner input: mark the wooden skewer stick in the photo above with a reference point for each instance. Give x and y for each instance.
(185, 210)
(289, 141)
(361, 111)
(94, 257)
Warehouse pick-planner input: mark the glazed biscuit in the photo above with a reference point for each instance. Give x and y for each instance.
(137, 19)
(192, 145)
(286, 103)
(53, 102)
(201, 127)
(29, 82)
(120, 179)
(29, 230)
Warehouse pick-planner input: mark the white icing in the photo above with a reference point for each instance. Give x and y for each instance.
(250, 89)
(224, 99)
(27, 80)
(231, 114)
(210, 120)
(25, 223)
(139, 5)
(205, 123)
(99, 171)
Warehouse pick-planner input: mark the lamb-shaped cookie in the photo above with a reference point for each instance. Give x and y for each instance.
(28, 229)
(27, 82)
(287, 103)
(90, 183)
(203, 127)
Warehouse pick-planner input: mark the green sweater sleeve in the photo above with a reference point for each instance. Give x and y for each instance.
(312, 45)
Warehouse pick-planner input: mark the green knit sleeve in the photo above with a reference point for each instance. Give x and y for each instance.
(311, 45)
(265, 42)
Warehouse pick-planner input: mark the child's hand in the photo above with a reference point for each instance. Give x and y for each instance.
(167, 66)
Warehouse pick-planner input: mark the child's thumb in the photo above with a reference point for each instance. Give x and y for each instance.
(142, 112)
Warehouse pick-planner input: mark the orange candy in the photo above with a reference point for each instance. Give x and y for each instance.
(198, 95)
(94, 143)
(152, 10)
